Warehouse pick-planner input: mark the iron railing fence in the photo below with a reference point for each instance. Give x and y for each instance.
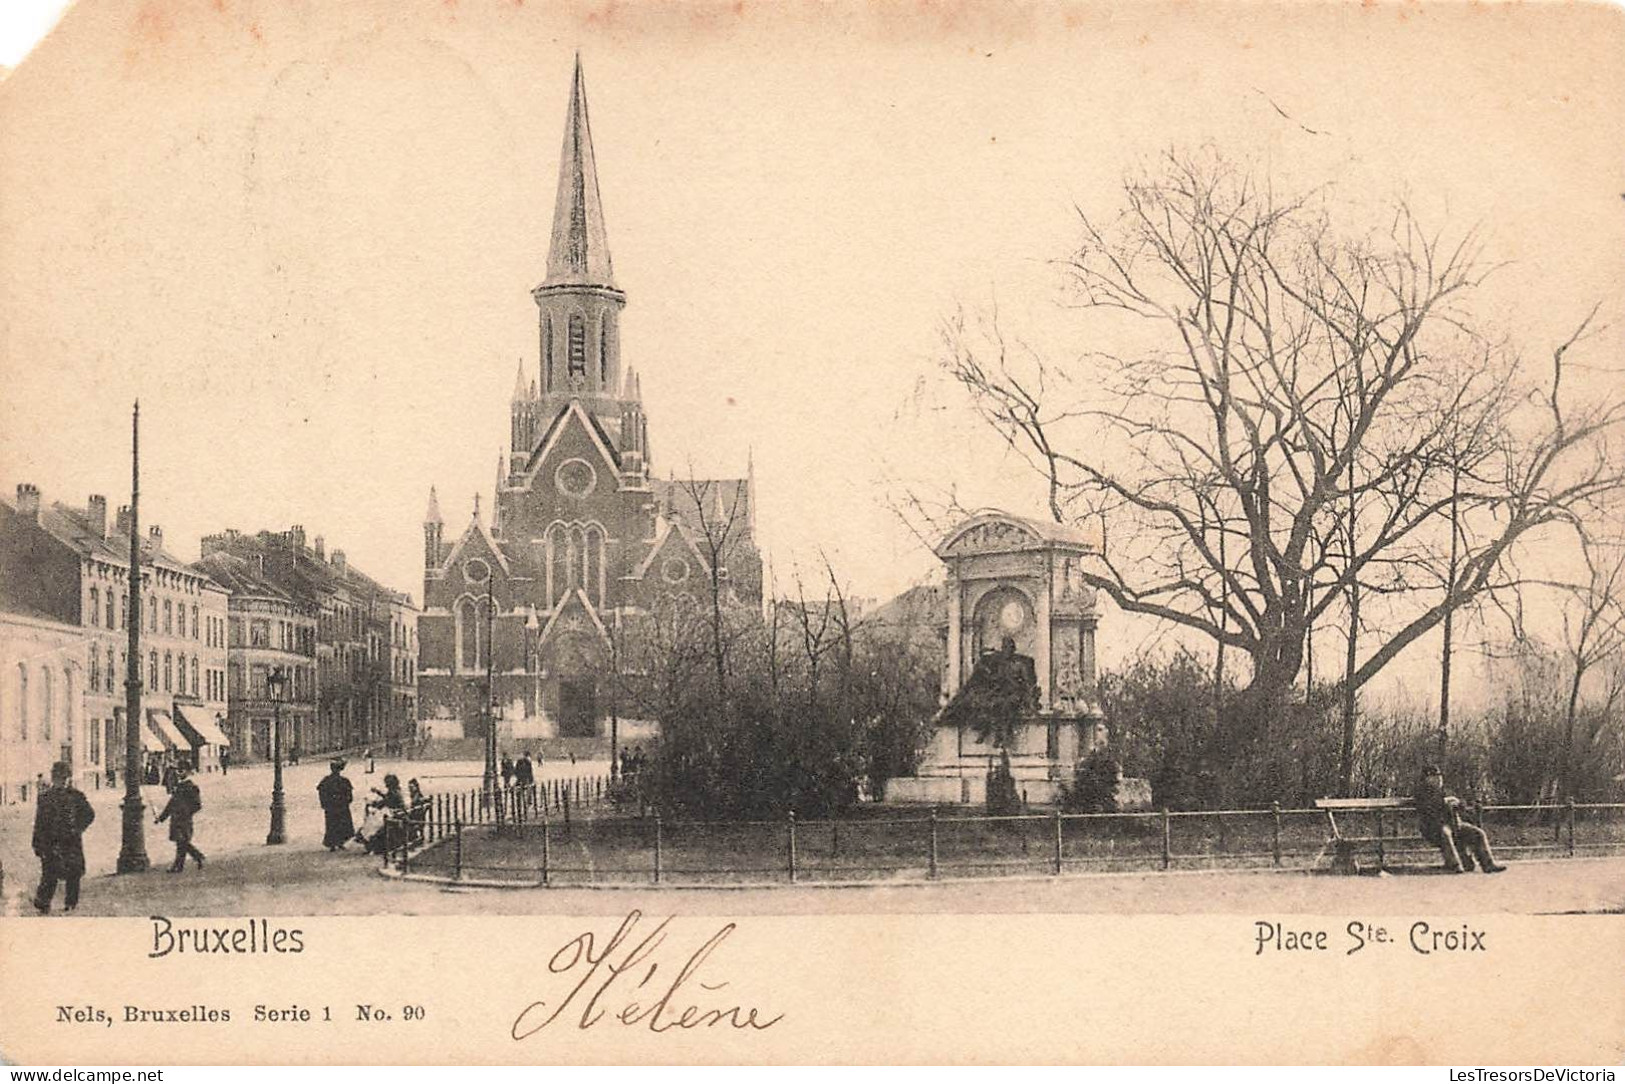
(565, 832)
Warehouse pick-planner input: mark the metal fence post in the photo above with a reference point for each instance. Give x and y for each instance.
(1057, 842)
(457, 851)
(1167, 839)
(792, 846)
(657, 848)
(1275, 847)
(1569, 811)
(547, 859)
(566, 814)
(933, 867)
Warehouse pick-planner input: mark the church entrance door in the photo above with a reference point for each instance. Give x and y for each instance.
(578, 714)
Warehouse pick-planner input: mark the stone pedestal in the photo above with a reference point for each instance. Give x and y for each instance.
(1017, 579)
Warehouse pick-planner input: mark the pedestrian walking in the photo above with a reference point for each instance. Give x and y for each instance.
(524, 773)
(185, 802)
(225, 761)
(507, 772)
(336, 794)
(60, 820)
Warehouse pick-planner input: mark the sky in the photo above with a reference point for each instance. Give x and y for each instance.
(304, 234)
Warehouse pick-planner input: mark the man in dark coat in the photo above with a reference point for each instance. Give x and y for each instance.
(60, 819)
(336, 794)
(1440, 820)
(524, 773)
(507, 772)
(185, 802)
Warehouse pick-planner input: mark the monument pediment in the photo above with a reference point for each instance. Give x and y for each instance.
(1001, 532)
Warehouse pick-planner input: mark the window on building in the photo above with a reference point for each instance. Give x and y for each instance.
(236, 632)
(603, 352)
(95, 606)
(194, 675)
(47, 702)
(256, 682)
(96, 671)
(180, 619)
(112, 615)
(471, 634)
(547, 355)
(152, 613)
(578, 346)
(168, 672)
(124, 611)
(112, 685)
(194, 621)
(259, 634)
(68, 718)
(152, 670)
(169, 624)
(95, 741)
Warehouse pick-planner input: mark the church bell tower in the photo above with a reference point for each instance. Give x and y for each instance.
(578, 302)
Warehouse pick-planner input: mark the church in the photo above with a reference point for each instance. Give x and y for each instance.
(526, 618)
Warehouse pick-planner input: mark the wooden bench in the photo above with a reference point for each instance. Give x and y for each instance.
(1345, 849)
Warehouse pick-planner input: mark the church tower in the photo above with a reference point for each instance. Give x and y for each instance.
(578, 303)
(530, 610)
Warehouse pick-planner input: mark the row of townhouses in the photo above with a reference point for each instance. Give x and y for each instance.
(261, 631)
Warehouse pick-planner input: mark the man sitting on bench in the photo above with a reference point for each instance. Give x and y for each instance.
(1442, 826)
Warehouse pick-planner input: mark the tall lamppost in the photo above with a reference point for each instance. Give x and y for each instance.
(132, 857)
(490, 780)
(278, 833)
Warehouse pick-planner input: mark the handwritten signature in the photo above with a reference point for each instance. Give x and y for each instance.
(620, 961)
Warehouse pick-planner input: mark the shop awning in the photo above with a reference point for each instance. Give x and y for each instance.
(160, 722)
(150, 742)
(199, 727)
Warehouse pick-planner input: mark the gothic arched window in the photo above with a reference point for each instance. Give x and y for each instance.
(603, 352)
(547, 354)
(593, 565)
(558, 578)
(471, 635)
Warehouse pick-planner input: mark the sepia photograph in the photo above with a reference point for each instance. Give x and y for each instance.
(749, 516)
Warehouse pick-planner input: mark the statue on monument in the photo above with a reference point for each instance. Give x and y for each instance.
(1000, 691)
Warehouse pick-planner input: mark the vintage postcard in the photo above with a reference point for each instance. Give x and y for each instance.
(765, 533)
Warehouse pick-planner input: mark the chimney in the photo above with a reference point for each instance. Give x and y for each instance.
(321, 548)
(296, 535)
(28, 501)
(98, 514)
(338, 560)
(122, 522)
(155, 539)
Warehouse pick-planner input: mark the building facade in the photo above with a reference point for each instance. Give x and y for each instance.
(42, 669)
(313, 613)
(72, 565)
(525, 617)
(269, 634)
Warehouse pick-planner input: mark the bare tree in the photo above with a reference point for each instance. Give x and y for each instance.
(1291, 416)
(1593, 635)
(718, 525)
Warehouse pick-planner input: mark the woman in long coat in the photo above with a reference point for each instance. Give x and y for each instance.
(336, 794)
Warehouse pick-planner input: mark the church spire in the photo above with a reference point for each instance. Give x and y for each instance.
(579, 253)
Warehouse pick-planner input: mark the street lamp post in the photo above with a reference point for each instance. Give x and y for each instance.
(278, 832)
(132, 857)
(490, 780)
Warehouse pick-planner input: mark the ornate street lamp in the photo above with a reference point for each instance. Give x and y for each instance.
(278, 833)
(132, 857)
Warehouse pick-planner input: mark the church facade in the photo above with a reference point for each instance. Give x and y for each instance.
(527, 618)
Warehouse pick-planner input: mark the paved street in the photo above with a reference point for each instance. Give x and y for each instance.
(231, 832)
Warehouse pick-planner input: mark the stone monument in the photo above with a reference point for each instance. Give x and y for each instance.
(1014, 584)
